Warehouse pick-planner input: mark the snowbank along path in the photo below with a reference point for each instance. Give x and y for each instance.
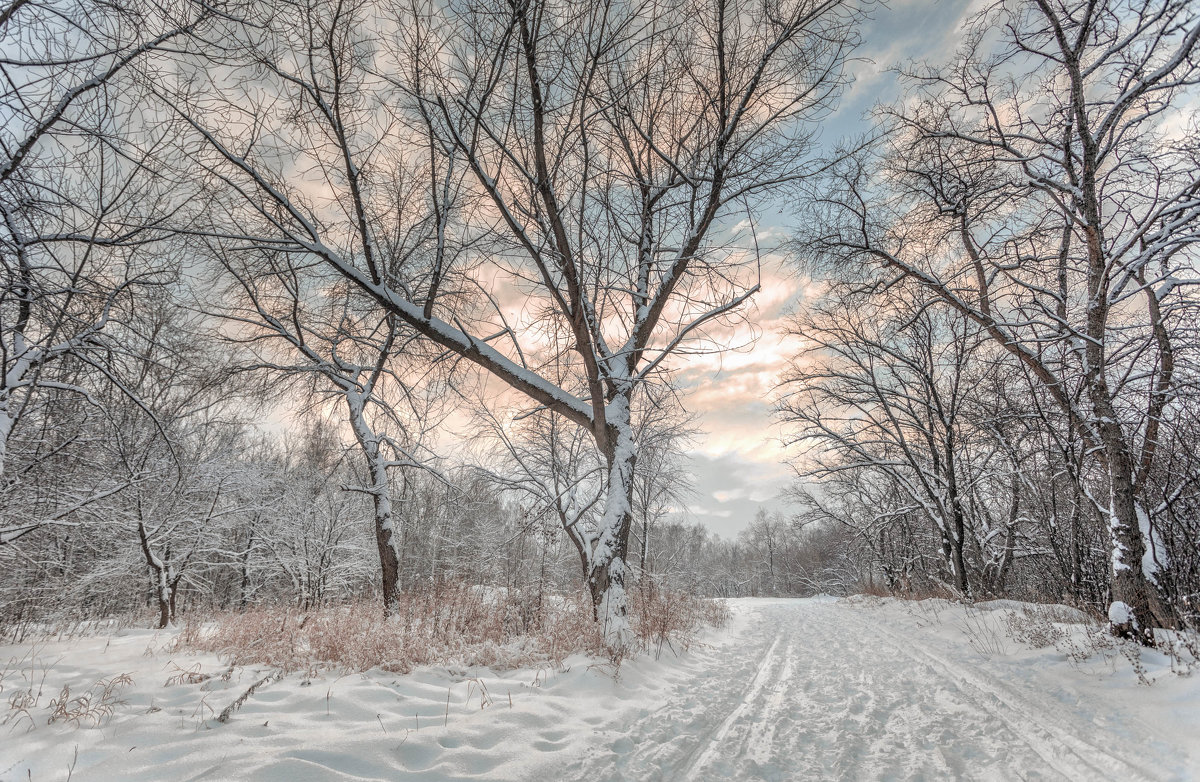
(791, 690)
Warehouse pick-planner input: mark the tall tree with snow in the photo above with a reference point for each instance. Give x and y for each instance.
(592, 159)
(1045, 184)
(320, 337)
(78, 209)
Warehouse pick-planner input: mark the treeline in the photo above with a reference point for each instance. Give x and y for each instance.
(951, 470)
(160, 515)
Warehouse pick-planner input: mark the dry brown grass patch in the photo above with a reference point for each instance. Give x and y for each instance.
(449, 624)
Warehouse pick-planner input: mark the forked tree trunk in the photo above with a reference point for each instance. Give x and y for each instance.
(164, 586)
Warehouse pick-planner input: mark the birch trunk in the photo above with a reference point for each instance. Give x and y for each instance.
(385, 539)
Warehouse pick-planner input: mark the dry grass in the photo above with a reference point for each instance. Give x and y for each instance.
(94, 705)
(664, 618)
(60, 628)
(23, 682)
(872, 589)
(22, 685)
(452, 625)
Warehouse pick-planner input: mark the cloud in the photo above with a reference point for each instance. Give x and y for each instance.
(709, 513)
(732, 391)
(733, 488)
(739, 463)
(902, 31)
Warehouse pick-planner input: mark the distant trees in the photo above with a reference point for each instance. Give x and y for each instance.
(911, 431)
(662, 482)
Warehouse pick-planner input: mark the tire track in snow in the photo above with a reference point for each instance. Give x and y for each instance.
(762, 734)
(696, 713)
(993, 697)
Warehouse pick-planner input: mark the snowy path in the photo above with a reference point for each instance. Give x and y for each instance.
(822, 690)
(791, 690)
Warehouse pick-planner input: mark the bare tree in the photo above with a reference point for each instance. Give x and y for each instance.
(886, 385)
(172, 425)
(1033, 186)
(78, 202)
(324, 336)
(606, 151)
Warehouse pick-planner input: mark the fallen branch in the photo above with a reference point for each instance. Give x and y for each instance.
(233, 707)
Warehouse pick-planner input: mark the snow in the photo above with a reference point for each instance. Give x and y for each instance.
(790, 689)
(1055, 611)
(1153, 543)
(1120, 613)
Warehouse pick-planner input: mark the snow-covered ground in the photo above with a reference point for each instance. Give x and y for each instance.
(857, 689)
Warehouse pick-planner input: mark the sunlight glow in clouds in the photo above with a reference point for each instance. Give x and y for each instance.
(739, 463)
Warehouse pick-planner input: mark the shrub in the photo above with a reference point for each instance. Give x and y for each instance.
(663, 617)
(449, 624)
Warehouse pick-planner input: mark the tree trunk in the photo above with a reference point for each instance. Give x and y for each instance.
(1132, 593)
(381, 498)
(164, 603)
(244, 589)
(6, 427)
(162, 581)
(645, 541)
(607, 569)
(385, 539)
(171, 599)
(1130, 610)
(957, 533)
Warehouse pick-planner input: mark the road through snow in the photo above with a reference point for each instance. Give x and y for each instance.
(812, 689)
(817, 689)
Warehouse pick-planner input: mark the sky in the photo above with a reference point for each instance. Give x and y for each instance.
(739, 463)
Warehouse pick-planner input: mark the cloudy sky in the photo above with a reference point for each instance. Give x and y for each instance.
(739, 463)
